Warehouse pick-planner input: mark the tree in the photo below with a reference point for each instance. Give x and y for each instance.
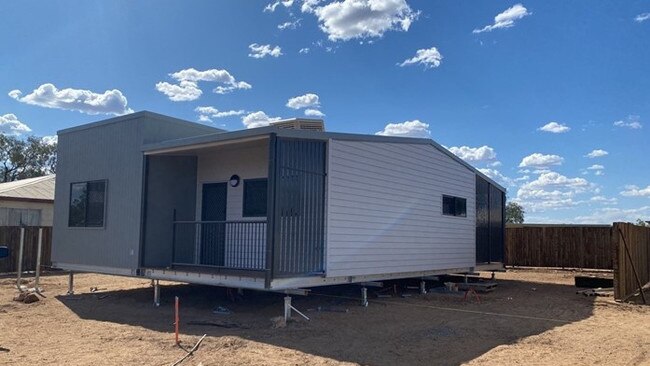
(25, 158)
(514, 213)
(641, 222)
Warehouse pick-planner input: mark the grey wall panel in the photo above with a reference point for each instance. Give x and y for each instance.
(111, 151)
(384, 209)
(171, 185)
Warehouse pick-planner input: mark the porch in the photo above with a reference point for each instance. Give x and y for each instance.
(250, 207)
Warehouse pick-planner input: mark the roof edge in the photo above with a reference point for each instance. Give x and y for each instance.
(136, 115)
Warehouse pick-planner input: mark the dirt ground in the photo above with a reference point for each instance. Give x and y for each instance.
(534, 317)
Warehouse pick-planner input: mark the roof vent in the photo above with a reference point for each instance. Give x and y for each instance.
(301, 124)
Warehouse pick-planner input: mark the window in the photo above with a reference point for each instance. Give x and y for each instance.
(254, 197)
(454, 206)
(87, 200)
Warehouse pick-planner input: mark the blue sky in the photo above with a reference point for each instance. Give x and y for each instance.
(488, 77)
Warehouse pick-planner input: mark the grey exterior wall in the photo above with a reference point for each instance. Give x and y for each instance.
(384, 210)
(171, 185)
(108, 150)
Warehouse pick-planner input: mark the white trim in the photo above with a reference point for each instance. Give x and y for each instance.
(302, 282)
(131, 272)
(210, 279)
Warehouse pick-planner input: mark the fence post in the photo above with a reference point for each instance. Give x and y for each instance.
(20, 259)
(38, 259)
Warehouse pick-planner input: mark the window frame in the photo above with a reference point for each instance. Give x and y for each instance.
(85, 221)
(244, 213)
(454, 205)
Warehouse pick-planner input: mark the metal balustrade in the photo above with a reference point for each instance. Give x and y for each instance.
(238, 245)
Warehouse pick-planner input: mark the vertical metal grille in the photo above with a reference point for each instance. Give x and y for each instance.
(299, 207)
(489, 222)
(482, 220)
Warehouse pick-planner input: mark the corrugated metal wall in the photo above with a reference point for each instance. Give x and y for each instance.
(300, 194)
(110, 151)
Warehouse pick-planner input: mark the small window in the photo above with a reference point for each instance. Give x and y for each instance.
(87, 201)
(254, 197)
(454, 206)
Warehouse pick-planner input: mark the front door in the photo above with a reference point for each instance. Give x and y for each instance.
(213, 232)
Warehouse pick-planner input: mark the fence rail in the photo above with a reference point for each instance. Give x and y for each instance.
(10, 237)
(237, 245)
(631, 252)
(564, 246)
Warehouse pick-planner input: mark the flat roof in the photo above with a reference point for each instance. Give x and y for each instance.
(215, 138)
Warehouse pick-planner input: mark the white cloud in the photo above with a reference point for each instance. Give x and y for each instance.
(604, 200)
(472, 154)
(50, 140)
(181, 92)
(597, 153)
(258, 119)
(632, 122)
(263, 50)
(505, 19)
(289, 25)
(642, 17)
(555, 127)
(635, 191)
(304, 50)
(10, 125)
(207, 113)
(429, 57)
(349, 19)
(596, 167)
(314, 113)
(495, 175)
(304, 101)
(413, 128)
(537, 160)
(608, 215)
(552, 190)
(271, 6)
(85, 101)
(188, 89)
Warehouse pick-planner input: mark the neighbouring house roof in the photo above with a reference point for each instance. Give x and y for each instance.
(30, 189)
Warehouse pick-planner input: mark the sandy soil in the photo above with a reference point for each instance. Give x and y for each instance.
(534, 317)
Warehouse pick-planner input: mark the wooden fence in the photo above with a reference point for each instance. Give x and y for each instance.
(10, 236)
(564, 246)
(637, 241)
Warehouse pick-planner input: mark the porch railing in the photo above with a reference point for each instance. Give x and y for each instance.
(239, 245)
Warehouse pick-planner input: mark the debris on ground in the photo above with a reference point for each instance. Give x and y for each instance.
(278, 322)
(607, 292)
(30, 298)
(26, 297)
(95, 289)
(217, 324)
(222, 310)
(330, 309)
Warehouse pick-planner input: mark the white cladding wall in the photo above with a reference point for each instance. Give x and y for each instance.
(219, 165)
(385, 209)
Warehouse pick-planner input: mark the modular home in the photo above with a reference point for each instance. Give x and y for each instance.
(274, 208)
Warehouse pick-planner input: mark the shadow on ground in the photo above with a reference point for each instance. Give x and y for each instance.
(437, 328)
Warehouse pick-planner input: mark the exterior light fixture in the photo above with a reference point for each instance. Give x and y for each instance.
(234, 180)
